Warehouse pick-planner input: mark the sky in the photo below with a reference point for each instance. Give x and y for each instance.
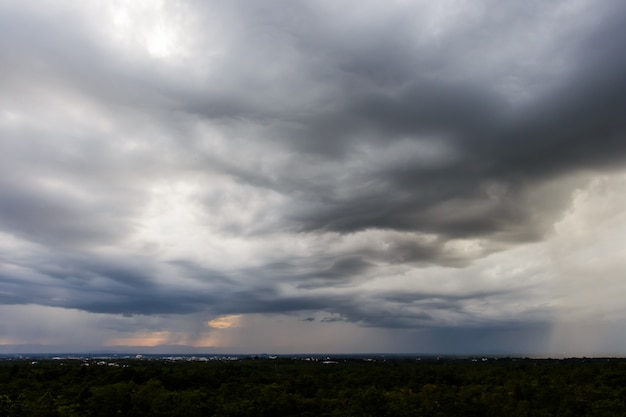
(285, 176)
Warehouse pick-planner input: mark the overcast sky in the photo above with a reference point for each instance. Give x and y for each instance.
(314, 176)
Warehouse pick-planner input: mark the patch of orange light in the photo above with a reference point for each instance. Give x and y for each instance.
(225, 322)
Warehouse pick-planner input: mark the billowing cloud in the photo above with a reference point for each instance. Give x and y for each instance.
(240, 174)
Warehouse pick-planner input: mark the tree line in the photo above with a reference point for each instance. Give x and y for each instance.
(284, 387)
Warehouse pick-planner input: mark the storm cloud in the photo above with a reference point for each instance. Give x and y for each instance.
(417, 169)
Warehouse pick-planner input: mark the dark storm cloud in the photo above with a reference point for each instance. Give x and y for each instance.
(328, 121)
(578, 125)
(116, 285)
(499, 152)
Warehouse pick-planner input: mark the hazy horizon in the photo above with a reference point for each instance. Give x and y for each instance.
(9, 351)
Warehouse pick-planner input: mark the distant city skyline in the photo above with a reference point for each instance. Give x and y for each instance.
(314, 176)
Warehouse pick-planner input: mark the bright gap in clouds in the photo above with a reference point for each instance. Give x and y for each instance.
(157, 27)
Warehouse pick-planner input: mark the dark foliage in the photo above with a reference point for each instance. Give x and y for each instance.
(282, 387)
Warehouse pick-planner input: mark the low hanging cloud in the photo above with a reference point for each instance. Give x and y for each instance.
(356, 162)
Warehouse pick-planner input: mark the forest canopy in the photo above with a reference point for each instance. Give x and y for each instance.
(286, 387)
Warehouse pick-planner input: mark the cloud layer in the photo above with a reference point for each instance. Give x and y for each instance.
(403, 167)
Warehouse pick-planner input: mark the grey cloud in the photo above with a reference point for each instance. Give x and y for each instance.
(434, 299)
(341, 272)
(332, 319)
(371, 314)
(577, 127)
(310, 121)
(50, 218)
(267, 301)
